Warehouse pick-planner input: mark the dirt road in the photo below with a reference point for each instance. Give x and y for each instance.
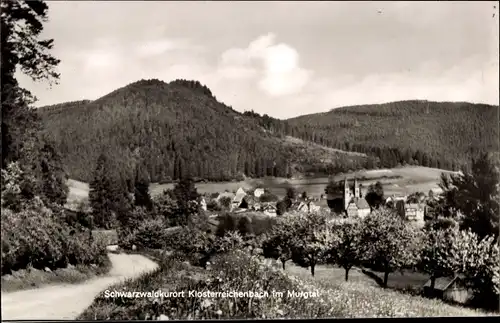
(66, 302)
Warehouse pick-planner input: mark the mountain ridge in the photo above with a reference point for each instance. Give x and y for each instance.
(141, 116)
(178, 128)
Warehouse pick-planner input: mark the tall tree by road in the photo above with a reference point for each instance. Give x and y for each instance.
(21, 49)
(474, 197)
(22, 139)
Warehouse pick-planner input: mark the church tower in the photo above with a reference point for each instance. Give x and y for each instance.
(347, 194)
(357, 193)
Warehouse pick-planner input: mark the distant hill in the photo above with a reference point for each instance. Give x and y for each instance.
(433, 134)
(178, 128)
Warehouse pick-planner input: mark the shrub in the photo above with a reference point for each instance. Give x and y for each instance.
(212, 205)
(150, 234)
(245, 226)
(33, 237)
(225, 202)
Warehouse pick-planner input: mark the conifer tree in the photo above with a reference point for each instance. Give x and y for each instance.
(141, 192)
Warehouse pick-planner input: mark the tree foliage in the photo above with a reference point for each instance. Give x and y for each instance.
(141, 189)
(375, 195)
(477, 259)
(474, 197)
(346, 245)
(22, 138)
(179, 129)
(433, 134)
(312, 238)
(108, 195)
(391, 242)
(437, 253)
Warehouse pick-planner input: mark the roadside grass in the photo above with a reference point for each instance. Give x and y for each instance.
(241, 272)
(34, 278)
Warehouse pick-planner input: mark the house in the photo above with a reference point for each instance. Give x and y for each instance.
(258, 192)
(238, 198)
(248, 202)
(269, 209)
(394, 198)
(358, 207)
(448, 289)
(302, 207)
(203, 204)
(415, 212)
(313, 207)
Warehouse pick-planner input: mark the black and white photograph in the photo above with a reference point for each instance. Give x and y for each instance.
(265, 160)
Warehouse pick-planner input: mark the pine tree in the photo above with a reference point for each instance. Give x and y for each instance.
(108, 194)
(22, 50)
(141, 192)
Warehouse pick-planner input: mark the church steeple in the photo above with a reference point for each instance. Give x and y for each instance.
(347, 193)
(357, 193)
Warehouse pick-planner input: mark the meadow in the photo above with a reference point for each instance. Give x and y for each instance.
(333, 297)
(403, 180)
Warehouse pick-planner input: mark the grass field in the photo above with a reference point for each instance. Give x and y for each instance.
(405, 281)
(404, 180)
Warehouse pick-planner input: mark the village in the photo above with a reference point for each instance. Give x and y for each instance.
(354, 203)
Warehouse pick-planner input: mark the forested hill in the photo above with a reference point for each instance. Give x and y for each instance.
(435, 134)
(175, 129)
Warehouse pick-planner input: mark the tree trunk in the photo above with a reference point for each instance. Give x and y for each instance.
(283, 263)
(386, 277)
(433, 284)
(347, 273)
(312, 269)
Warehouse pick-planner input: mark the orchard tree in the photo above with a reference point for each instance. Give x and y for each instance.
(311, 242)
(477, 259)
(437, 252)
(279, 240)
(390, 241)
(347, 247)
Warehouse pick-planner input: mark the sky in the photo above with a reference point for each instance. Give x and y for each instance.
(280, 58)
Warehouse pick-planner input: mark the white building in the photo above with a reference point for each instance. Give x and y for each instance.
(258, 192)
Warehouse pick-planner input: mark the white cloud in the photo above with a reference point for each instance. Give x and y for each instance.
(160, 46)
(277, 66)
(98, 59)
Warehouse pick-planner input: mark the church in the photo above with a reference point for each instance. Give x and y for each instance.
(354, 203)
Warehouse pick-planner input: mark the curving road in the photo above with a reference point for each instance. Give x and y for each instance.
(66, 302)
